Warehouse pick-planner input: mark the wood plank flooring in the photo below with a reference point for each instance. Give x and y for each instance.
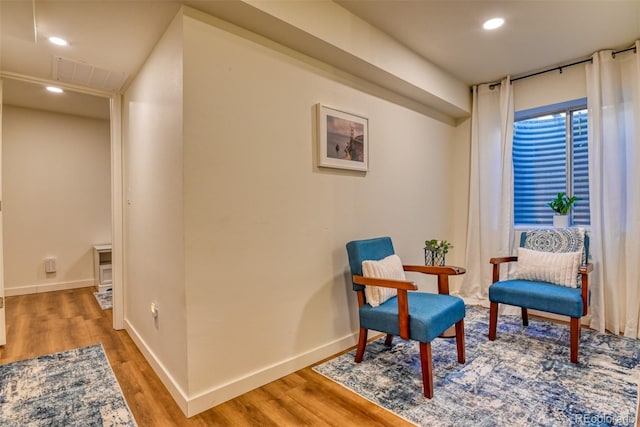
(50, 322)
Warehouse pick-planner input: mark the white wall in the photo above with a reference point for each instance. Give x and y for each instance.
(153, 220)
(56, 198)
(265, 229)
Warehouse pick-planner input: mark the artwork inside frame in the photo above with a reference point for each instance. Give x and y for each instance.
(343, 139)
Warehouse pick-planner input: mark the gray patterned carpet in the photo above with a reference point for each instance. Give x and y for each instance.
(72, 388)
(104, 299)
(524, 378)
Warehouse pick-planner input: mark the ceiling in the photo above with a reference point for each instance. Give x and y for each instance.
(117, 36)
(110, 35)
(537, 34)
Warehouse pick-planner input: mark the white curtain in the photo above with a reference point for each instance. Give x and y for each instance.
(490, 222)
(613, 93)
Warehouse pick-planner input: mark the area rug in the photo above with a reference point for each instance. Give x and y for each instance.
(523, 378)
(72, 388)
(104, 299)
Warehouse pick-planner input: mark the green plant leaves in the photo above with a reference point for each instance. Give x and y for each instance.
(562, 203)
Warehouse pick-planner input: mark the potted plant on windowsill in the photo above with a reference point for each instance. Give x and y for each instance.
(561, 205)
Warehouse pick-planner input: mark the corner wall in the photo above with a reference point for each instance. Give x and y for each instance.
(153, 212)
(57, 198)
(232, 229)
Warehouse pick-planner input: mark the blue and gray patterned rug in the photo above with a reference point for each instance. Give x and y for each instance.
(72, 388)
(524, 378)
(105, 299)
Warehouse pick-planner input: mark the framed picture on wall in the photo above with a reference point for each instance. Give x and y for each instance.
(343, 139)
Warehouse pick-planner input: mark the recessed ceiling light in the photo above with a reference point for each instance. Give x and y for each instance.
(59, 41)
(493, 23)
(54, 89)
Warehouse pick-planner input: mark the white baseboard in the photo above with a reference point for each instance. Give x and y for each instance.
(193, 405)
(219, 394)
(165, 376)
(47, 287)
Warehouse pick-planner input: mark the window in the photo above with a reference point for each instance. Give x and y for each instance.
(549, 157)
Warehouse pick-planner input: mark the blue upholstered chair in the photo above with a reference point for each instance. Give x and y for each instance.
(417, 316)
(543, 295)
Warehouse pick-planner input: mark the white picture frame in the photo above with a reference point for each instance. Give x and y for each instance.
(343, 139)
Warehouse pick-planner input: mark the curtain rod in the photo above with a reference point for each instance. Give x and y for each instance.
(561, 67)
(558, 68)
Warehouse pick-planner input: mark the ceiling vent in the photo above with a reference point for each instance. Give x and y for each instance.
(80, 73)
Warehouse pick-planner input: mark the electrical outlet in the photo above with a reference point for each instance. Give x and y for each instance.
(50, 265)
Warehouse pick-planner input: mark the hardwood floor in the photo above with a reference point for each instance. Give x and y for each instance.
(50, 322)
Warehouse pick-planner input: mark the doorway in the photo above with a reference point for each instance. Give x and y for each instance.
(20, 97)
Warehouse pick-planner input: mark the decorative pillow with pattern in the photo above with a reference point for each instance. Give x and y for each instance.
(558, 240)
(386, 268)
(559, 268)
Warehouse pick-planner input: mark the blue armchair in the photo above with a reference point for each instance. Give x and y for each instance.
(570, 299)
(417, 315)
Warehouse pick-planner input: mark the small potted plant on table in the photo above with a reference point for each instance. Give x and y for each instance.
(435, 251)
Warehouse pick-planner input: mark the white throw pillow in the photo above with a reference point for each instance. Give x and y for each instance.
(386, 268)
(560, 268)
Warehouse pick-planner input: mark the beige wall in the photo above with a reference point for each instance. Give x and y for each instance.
(265, 229)
(232, 228)
(380, 58)
(55, 176)
(153, 215)
(458, 199)
(550, 88)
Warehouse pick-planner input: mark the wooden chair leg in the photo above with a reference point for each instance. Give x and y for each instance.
(460, 341)
(388, 339)
(525, 317)
(493, 320)
(427, 367)
(575, 338)
(362, 343)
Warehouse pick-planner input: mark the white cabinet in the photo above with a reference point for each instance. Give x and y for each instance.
(102, 267)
